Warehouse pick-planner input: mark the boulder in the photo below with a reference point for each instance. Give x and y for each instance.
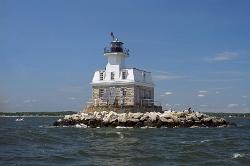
(181, 114)
(207, 120)
(153, 116)
(199, 115)
(133, 120)
(163, 119)
(110, 117)
(98, 115)
(67, 116)
(137, 115)
(122, 118)
(192, 117)
(145, 116)
(167, 115)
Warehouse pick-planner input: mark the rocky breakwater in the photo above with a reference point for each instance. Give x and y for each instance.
(169, 119)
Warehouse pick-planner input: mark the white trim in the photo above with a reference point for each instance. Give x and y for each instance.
(121, 83)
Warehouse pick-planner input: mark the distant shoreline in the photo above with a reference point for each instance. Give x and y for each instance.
(63, 113)
(30, 116)
(36, 114)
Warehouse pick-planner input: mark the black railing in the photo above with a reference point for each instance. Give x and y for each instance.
(116, 49)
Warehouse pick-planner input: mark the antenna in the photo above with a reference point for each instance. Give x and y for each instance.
(112, 35)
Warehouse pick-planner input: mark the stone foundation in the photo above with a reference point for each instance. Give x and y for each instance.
(124, 109)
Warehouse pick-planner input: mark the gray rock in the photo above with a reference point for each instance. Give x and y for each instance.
(137, 115)
(153, 116)
(122, 117)
(144, 117)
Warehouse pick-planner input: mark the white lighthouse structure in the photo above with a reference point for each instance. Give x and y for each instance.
(120, 88)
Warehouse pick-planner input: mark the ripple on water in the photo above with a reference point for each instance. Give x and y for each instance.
(35, 142)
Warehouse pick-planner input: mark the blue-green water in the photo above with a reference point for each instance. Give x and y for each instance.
(35, 142)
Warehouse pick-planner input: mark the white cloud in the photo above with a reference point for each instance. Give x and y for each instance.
(217, 80)
(203, 105)
(168, 93)
(217, 92)
(229, 72)
(225, 56)
(5, 101)
(232, 105)
(29, 101)
(222, 88)
(244, 97)
(163, 75)
(72, 98)
(203, 91)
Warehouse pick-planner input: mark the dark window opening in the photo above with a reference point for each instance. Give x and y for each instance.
(112, 75)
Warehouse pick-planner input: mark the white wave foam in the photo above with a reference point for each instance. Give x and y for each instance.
(237, 155)
(194, 142)
(205, 140)
(81, 126)
(120, 134)
(149, 127)
(47, 126)
(188, 142)
(122, 127)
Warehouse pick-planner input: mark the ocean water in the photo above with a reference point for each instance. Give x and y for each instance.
(35, 142)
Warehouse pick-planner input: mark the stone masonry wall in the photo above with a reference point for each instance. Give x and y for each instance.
(133, 94)
(142, 92)
(129, 94)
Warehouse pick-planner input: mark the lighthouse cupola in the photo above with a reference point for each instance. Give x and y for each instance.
(116, 54)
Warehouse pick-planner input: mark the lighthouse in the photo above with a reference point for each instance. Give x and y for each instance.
(119, 88)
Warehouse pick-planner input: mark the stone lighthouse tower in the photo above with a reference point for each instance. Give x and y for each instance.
(121, 89)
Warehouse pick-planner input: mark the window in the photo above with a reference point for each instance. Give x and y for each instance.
(101, 93)
(147, 94)
(122, 92)
(101, 76)
(112, 75)
(144, 76)
(124, 75)
(150, 94)
(141, 93)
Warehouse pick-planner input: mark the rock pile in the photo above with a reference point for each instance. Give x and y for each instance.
(170, 119)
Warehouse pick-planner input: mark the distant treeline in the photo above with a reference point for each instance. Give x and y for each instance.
(220, 114)
(72, 112)
(37, 113)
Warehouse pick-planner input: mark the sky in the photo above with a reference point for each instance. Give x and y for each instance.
(198, 51)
